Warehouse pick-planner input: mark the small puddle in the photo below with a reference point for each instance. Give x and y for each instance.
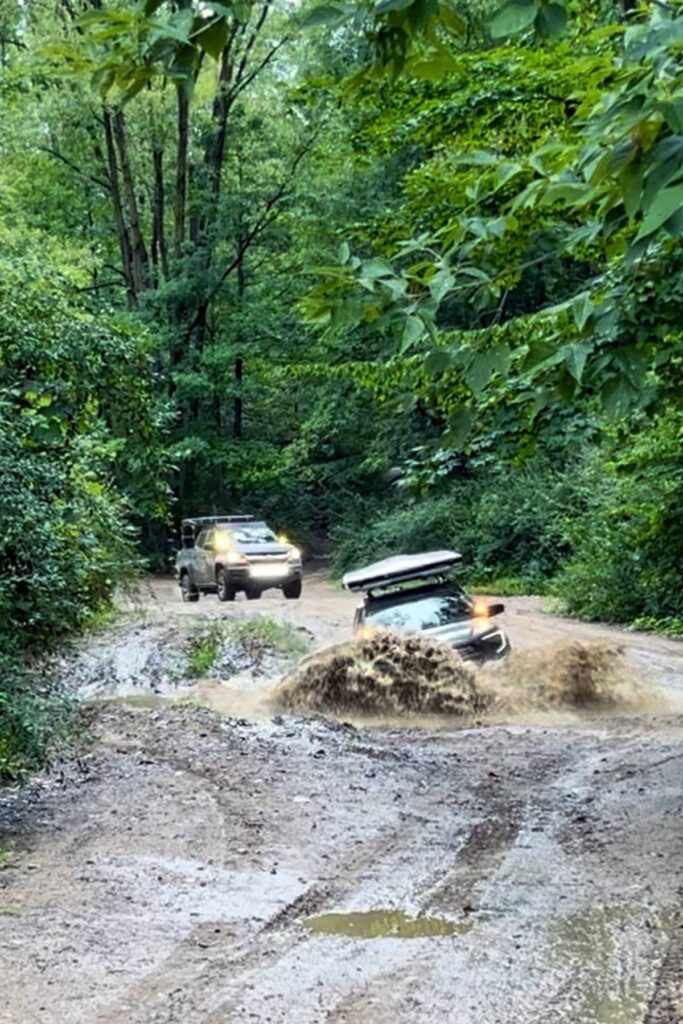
(377, 924)
(136, 700)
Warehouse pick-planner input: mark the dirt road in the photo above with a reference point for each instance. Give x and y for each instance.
(192, 869)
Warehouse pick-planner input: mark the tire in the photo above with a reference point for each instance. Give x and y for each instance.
(292, 590)
(225, 589)
(253, 595)
(187, 591)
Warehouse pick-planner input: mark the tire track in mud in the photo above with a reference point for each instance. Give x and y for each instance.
(187, 985)
(197, 969)
(666, 1004)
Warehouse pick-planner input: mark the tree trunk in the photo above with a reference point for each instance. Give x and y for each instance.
(159, 249)
(119, 217)
(237, 407)
(180, 203)
(138, 250)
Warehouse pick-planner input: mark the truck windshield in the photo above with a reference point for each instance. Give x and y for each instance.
(254, 535)
(425, 611)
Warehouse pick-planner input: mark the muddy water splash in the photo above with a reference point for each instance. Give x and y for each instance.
(384, 674)
(388, 674)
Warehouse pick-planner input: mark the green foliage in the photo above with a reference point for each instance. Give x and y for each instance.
(75, 407)
(251, 636)
(35, 720)
(203, 651)
(264, 632)
(628, 547)
(505, 521)
(669, 625)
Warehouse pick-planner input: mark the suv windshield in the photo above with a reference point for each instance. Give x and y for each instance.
(254, 535)
(423, 611)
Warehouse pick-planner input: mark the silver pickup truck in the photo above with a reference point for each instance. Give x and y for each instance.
(225, 554)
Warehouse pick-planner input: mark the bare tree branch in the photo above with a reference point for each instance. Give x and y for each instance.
(267, 216)
(102, 182)
(242, 83)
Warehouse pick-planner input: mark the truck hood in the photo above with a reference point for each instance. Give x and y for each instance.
(459, 634)
(274, 550)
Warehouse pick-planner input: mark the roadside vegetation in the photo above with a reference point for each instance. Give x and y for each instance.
(242, 644)
(396, 277)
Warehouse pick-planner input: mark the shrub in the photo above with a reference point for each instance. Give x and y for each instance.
(505, 522)
(628, 546)
(76, 409)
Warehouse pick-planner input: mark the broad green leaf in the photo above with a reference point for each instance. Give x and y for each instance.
(386, 6)
(452, 19)
(223, 10)
(665, 204)
(632, 187)
(618, 397)
(459, 426)
(344, 252)
(566, 192)
(582, 309)
(478, 158)
(551, 20)
(482, 367)
(576, 357)
(323, 15)
(434, 69)
(213, 38)
(438, 360)
(441, 284)
(377, 268)
(514, 16)
(412, 333)
(506, 171)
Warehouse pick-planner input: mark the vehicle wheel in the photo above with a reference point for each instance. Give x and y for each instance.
(292, 590)
(253, 595)
(187, 591)
(226, 591)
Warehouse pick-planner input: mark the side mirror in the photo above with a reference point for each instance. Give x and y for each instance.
(494, 609)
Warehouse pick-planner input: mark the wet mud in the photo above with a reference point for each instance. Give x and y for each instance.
(189, 867)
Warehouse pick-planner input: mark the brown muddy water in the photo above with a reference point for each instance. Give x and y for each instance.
(388, 680)
(379, 924)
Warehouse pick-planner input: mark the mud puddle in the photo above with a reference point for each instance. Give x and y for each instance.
(250, 669)
(378, 924)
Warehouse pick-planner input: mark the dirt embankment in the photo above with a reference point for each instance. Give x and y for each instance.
(288, 869)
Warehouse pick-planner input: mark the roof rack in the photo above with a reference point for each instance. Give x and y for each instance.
(195, 521)
(191, 527)
(401, 569)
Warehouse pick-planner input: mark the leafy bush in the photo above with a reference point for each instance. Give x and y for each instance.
(33, 717)
(505, 521)
(628, 546)
(76, 409)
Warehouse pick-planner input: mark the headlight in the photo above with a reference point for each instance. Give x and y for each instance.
(294, 555)
(237, 558)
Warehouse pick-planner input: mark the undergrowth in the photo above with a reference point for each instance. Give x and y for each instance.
(253, 637)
